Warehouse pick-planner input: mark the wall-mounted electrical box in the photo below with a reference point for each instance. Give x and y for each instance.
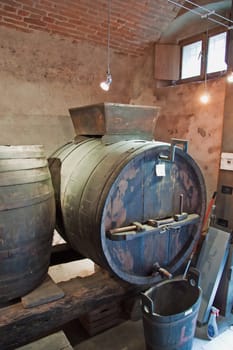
(226, 161)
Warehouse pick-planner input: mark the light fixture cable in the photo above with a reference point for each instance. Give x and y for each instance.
(205, 96)
(206, 54)
(108, 40)
(105, 85)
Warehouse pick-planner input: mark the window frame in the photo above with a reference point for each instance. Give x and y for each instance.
(193, 39)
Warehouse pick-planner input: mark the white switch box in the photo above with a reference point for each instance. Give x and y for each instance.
(226, 161)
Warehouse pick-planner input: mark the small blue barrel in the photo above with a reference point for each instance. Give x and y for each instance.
(170, 311)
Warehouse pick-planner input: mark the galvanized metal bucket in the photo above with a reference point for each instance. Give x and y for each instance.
(170, 311)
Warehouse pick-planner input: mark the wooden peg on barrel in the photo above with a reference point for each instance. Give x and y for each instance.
(163, 272)
(136, 226)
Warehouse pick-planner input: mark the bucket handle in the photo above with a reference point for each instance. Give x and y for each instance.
(147, 304)
(193, 276)
(175, 142)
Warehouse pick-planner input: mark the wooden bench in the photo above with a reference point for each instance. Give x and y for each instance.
(20, 324)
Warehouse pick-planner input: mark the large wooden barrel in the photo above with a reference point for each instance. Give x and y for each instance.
(27, 219)
(100, 187)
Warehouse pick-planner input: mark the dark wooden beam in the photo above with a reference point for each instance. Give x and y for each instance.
(19, 326)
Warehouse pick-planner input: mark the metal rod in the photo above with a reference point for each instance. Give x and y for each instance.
(210, 12)
(184, 7)
(223, 24)
(181, 203)
(187, 266)
(200, 14)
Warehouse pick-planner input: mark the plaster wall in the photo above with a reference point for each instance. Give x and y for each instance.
(42, 76)
(184, 117)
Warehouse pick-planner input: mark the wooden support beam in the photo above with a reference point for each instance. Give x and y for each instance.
(19, 326)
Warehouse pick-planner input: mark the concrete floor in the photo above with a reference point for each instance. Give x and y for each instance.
(126, 336)
(129, 336)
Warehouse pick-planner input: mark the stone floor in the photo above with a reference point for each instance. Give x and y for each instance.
(129, 336)
(126, 336)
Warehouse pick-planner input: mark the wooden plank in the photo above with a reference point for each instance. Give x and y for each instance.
(115, 119)
(56, 341)
(48, 291)
(19, 326)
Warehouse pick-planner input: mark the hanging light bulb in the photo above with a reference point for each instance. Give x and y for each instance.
(105, 85)
(205, 98)
(230, 77)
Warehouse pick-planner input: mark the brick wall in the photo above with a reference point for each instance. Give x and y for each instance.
(134, 23)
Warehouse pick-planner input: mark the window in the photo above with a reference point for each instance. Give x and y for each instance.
(191, 60)
(216, 53)
(203, 55)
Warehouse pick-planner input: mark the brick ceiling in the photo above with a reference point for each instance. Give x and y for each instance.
(134, 24)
